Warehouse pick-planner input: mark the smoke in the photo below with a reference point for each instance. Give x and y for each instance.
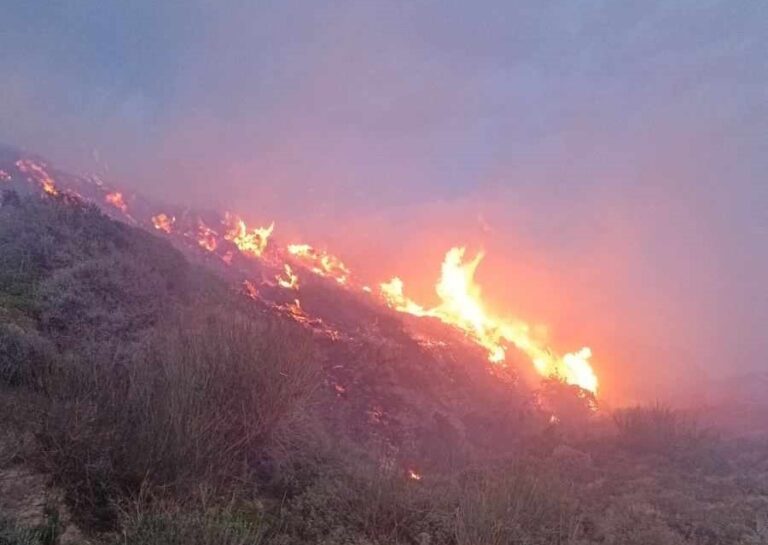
(608, 158)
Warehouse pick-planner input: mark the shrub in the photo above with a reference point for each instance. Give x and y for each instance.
(656, 429)
(516, 504)
(190, 528)
(25, 356)
(202, 407)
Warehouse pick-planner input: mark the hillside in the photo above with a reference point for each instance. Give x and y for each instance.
(174, 392)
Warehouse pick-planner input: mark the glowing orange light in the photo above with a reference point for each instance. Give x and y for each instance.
(462, 306)
(116, 199)
(252, 242)
(163, 222)
(288, 278)
(321, 262)
(38, 173)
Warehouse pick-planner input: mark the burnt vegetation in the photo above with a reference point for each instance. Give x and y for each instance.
(170, 409)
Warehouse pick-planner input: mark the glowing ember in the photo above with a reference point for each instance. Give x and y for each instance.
(320, 262)
(252, 242)
(4, 176)
(413, 475)
(462, 306)
(163, 222)
(39, 174)
(116, 199)
(250, 289)
(288, 278)
(206, 237)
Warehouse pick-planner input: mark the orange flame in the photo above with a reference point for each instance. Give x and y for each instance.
(116, 199)
(206, 237)
(321, 262)
(252, 242)
(413, 475)
(462, 306)
(163, 222)
(39, 174)
(288, 278)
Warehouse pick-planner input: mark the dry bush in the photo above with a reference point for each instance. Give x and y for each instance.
(517, 504)
(203, 407)
(656, 429)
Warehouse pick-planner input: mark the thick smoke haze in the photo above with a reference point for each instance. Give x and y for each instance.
(610, 158)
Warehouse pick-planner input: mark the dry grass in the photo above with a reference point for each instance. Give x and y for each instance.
(203, 407)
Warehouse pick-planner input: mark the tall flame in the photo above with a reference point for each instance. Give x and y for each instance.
(252, 242)
(462, 306)
(321, 262)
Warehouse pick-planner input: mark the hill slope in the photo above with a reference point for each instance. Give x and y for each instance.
(173, 402)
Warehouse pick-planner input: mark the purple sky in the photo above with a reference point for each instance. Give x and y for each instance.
(610, 157)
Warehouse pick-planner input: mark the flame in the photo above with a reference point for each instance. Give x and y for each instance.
(206, 237)
(252, 242)
(250, 289)
(39, 174)
(4, 176)
(163, 222)
(321, 262)
(116, 199)
(462, 306)
(288, 278)
(413, 475)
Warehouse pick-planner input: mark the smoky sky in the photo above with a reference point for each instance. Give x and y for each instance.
(609, 157)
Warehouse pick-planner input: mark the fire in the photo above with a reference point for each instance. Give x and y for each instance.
(413, 475)
(116, 199)
(252, 242)
(206, 237)
(288, 278)
(163, 222)
(321, 262)
(250, 289)
(39, 174)
(4, 176)
(462, 306)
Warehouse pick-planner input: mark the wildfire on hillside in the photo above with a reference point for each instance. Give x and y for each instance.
(461, 304)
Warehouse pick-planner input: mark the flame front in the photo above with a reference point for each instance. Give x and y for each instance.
(251, 242)
(288, 278)
(163, 222)
(39, 174)
(116, 199)
(321, 262)
(462, 306)
(206, 237)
